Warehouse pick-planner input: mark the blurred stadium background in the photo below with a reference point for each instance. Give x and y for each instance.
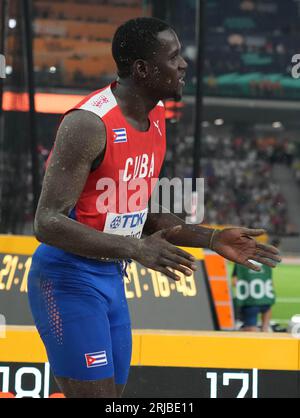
(239, 113)
(250, 142)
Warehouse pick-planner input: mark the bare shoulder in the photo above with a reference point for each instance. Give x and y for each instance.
(80, 139)
(81, 133)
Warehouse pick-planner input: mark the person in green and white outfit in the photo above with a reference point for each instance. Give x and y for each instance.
(254, 295)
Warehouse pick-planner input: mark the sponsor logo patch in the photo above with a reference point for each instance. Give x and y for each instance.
(99, 101)
(116, 222)
(126, 224)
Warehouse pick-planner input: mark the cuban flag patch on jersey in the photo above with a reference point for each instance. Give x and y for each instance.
(96, 359)
(120, 135)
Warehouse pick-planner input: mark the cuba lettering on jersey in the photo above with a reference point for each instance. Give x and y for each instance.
(116, 194)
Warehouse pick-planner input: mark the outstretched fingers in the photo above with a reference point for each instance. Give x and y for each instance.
(268, 254)
(268, 248)
(167, 272)
(266, 261)
(253, 232)
(251, 266)
(179, 267)
(177, 259)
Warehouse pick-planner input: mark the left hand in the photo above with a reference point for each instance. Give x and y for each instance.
(238, 245)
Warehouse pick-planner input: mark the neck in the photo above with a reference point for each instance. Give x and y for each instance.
(134, 100)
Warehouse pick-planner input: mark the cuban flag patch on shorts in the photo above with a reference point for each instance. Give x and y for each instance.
(96, 359)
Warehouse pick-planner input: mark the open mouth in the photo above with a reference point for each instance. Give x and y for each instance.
(181, 81)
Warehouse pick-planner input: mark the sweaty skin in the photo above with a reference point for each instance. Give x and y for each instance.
(81, 139)
(70, 166)
(64, 181)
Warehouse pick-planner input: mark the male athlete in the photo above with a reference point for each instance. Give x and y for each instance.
(75, 284)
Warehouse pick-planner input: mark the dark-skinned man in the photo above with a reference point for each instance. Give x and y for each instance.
(75, 285)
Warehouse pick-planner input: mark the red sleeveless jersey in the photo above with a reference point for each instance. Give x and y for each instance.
(116, 194)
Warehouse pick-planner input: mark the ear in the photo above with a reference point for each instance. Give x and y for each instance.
(141, 69)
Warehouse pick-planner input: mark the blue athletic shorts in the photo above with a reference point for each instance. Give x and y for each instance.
(249, 314)
(80, 310)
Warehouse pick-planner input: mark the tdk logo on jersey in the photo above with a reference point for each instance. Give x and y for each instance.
(116, 222)
(128, 221)
(128, 224)
(120, 135)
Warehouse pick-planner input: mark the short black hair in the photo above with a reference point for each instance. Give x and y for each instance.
(136, 39)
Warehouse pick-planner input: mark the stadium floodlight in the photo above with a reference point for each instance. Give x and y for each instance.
(8, 70)
(219, 122)
(12, 23)
(277, 125)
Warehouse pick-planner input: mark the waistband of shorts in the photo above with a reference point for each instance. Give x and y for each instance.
(50, 254)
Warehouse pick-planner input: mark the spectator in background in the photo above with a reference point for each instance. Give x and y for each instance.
(254, 295)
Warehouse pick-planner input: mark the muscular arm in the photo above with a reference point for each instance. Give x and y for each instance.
(80, 139)
(187, 236)
(235, 244)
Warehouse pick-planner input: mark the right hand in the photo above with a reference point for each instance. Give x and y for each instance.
(156, 253)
